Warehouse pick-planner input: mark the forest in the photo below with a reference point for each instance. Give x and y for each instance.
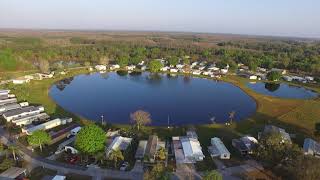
(24, 50)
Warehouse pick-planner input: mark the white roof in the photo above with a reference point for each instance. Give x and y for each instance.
(191, 147)
(120, 142)
(58, 177)
(218, 145)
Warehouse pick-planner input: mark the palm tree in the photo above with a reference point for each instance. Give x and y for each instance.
(115, 156)
(100, 156)
(231, 116)
(13, 148)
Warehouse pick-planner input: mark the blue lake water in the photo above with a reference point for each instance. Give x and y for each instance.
(185, 100)
(282, 90)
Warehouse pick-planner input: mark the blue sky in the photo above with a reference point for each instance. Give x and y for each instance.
(256, 17)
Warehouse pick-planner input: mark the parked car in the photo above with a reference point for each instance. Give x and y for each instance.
(124, 166)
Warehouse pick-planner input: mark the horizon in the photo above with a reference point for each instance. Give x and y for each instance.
(269, 18)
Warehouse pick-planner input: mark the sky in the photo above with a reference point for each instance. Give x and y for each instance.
(299, 18)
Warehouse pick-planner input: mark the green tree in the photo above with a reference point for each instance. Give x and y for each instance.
(123, 60)
(155, 66)
(173, 60)
(7, 60)
(158, 172)
(274, 76)
(90, 139)
(140, 118)
(115, 156)
(162, 154)
(39, 138)
(104, 60)
(212, 175)
(100, 156)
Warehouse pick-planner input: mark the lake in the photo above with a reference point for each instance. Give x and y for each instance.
(282, 90)
(179, 100)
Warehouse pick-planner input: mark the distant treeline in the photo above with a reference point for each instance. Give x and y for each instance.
(297, 56)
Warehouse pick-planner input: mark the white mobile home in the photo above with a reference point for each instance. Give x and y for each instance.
(22, 112)
(29, 119)
(311, 147)
(4, 92)
(218, 149)
(173, 70)
(47, 125)
(20, 80)
(114, 66)
(120, 143)
(192, 149)
(101, 67)
(8, 101)
(8, 107)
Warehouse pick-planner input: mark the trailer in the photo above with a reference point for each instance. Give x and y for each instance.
(8, 101)
(29, 119)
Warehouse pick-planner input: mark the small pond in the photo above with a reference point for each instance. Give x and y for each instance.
(177, 100)
(282, 90)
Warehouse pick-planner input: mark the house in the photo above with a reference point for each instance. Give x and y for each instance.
(13, 173)
(8, 101)
(213, 68)
(22, 112)
(179, 66)
(153, 145)
(165, 68)
(207, 73)
(114, 66)
(245, 145)
(141, 149)
(287, 78)
(21, 80)
(173, 70)
(101, 67)
(268, 129)
(196, 72)
(224, 71)
(281, 71)
(8, 107)
(253, 77)
(201, 68)
(130, 67)
(4, 92)
(311, 147)
(47, 125)
(218, 149)
(29, 119)
(120, 143)
(143, 68)
(309, 78)
(45, 75)
(192, 149)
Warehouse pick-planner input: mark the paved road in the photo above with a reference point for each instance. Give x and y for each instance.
(63, 168)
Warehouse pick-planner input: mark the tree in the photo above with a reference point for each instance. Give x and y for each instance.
(212, 175)
(39, 138)
(115, 156)
(6, 164)
(155, 66)
(140, 118)
(87, 63)
(104, 60)
(123, 60)
(162, 154)
(304, 167)
(158, 172)
(231, 116)
(274, 150)
(90, 139)
(13, 149)
(173, 60)
(273, 76)
(44, 66)
(100, 156)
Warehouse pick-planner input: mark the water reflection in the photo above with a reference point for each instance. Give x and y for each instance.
(272, 86)
(62, 84)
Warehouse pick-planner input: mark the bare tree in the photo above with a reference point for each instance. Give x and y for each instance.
(44, 66)
(140, 118)
(231, 116)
